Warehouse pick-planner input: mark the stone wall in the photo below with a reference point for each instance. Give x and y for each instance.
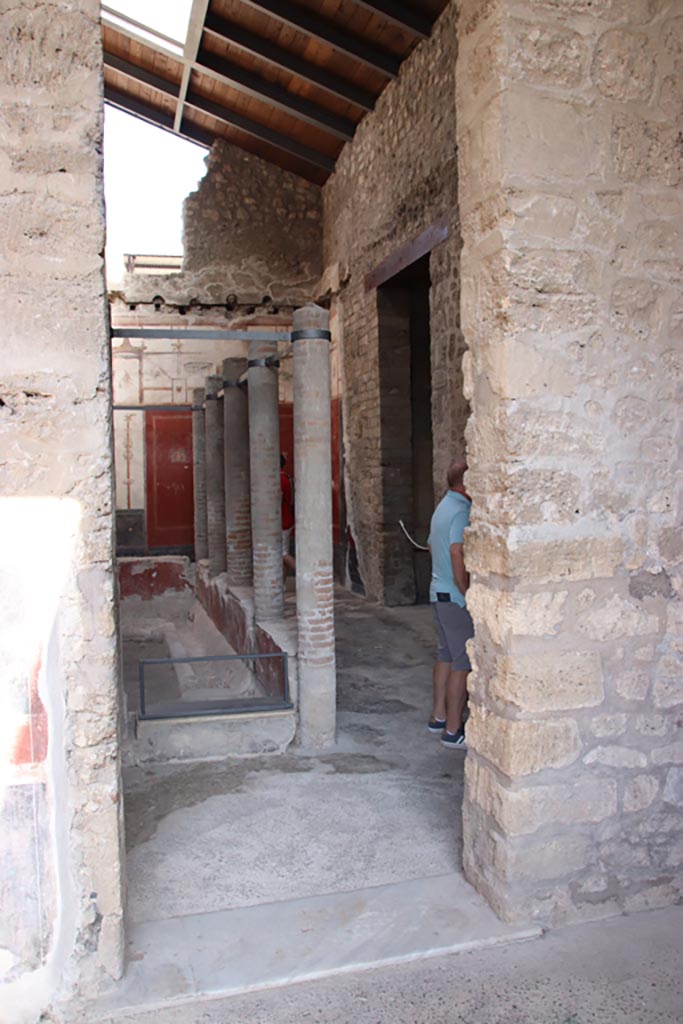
(396, 179)
(250, 230)
(571, 169)
(59, 745)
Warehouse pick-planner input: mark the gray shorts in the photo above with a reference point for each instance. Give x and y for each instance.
(454, 627)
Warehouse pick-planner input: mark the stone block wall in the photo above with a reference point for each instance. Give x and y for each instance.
(250, 230)
(396, 179)
(59, 744)
(571, 175)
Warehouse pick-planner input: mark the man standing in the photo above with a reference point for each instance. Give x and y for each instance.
(453, 622)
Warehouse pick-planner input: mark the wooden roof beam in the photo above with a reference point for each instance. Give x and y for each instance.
(327, 32)
(140, 108)
(403, 17)
(274, 95)
(257, 46)
(140, 74)
(260, 131)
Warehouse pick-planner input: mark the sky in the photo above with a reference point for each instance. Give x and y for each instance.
(147, 174)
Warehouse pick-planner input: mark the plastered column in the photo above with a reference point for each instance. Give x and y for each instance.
(237, 484)
(201, 547)
(314, 579)
(264, 448)
(215, 488)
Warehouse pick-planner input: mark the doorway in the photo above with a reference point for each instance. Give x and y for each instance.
(406, 431)
(169, 481)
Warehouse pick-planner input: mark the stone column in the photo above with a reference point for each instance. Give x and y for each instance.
(201, 546)
(574, 463)
(237, 485)
(215, 490)
(313, 473)
(264, 448)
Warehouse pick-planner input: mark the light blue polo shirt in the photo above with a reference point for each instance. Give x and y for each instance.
(450, 518)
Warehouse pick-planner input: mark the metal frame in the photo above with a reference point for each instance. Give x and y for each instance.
(192, 712)
(191, 58)
(203, 334)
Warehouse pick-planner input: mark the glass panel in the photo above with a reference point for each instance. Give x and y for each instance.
(169, 19)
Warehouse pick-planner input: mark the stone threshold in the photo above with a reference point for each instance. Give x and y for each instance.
(208, 956)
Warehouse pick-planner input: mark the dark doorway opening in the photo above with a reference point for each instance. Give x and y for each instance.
(406, 425)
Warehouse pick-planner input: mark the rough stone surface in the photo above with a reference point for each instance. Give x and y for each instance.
(554, 682)
(569, 176)
(519, 748)
(395, 180)
(59, 648)
(250, 230)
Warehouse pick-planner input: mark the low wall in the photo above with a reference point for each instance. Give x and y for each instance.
(232, 612)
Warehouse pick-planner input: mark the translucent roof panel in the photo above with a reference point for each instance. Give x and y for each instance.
(167, 18)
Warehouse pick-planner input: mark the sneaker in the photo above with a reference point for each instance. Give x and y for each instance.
(454, 740)
(436, 725)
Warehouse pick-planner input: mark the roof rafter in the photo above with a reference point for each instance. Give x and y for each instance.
(274, 95)
(141, 74)
(258, 46)
(402, 16)
(327, 32)
(259, 131)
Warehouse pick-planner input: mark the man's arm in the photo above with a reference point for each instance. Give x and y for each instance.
(460, 573)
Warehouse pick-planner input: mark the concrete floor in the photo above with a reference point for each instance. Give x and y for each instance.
(382, 807)
(215, 909)
(623, 971)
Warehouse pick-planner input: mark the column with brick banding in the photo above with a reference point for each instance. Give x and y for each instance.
(236, 462)
(201, 547)
(313, 474)
(215, 491)
(264, 448)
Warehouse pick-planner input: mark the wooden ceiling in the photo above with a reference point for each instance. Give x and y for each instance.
(288, 81)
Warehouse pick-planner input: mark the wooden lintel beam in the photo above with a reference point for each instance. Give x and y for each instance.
(259, 131)
(408, 254)
(400, 15)
(257, 46)
(274, 95)
(326, 31)
(140, 74)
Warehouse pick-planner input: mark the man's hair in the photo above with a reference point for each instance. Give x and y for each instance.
(456, 473)
(283, 461)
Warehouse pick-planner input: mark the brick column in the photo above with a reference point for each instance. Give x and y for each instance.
(215, 491)
(237, 485)
(201, 546)
(313, 472)
(264, 448)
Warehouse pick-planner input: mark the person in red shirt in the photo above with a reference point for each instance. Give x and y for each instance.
(287, 516)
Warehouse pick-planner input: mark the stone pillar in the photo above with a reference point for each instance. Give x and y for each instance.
(264, 448)
(61, 820)
(237, 484)
(215, 489)
(570, 182)
(314, 579)
(201, 546)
